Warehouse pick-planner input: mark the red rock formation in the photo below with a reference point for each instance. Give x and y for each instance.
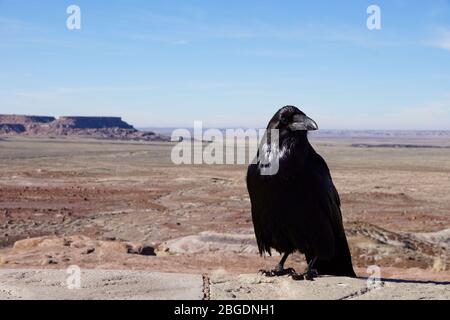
(95, 127)
(11, 129)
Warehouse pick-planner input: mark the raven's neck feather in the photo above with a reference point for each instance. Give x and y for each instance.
(295, 152)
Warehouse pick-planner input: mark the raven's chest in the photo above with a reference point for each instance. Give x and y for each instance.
(283, 197)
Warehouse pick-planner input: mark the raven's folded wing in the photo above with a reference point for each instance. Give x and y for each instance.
(257, 199)
(326, 194)
(329, 205)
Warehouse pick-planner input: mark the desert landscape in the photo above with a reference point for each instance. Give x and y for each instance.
(106, 198)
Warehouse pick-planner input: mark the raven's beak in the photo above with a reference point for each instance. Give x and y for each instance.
(302, 122)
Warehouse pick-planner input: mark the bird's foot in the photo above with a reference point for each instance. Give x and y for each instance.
(277, 272)
(307, 275)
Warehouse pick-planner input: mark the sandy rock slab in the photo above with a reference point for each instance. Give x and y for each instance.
(127, 284)
(252, 287)
(99, 284)
(209, 241)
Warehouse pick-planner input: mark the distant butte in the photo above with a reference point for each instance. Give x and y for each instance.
(113, 128)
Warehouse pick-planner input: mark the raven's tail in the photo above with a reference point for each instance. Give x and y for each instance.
(340, 264)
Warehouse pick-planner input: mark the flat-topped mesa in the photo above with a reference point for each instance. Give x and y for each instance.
(113, 128)
(91, 123)
(24, 119)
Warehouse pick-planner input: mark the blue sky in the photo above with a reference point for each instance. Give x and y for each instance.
(229, 63)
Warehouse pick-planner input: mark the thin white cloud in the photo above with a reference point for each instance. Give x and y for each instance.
(97, 89)
(198, 28)
(151, 38)
(442, 39)
(271, 53)
(9, 24)
(51, 94)
(179, 42)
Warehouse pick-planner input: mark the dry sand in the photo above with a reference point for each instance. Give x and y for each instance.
(124, 205)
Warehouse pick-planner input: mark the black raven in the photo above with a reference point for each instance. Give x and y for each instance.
(298, 207)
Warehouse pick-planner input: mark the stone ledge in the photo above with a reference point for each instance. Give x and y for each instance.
(127, 284)
(248, 287)
(99, 284)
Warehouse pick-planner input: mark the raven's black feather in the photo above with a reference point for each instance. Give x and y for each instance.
(298, 209)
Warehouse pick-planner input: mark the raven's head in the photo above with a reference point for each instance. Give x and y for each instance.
(290, 119)
(288, 143)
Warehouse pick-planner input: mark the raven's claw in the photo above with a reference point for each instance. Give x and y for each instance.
(307, 275)
(277, 272)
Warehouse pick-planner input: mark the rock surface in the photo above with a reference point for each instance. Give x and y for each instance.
(91, 123)
(209, 241)
(11, 129)
(99, 284)
(250, 287)
(24, 119)
(126, 284)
